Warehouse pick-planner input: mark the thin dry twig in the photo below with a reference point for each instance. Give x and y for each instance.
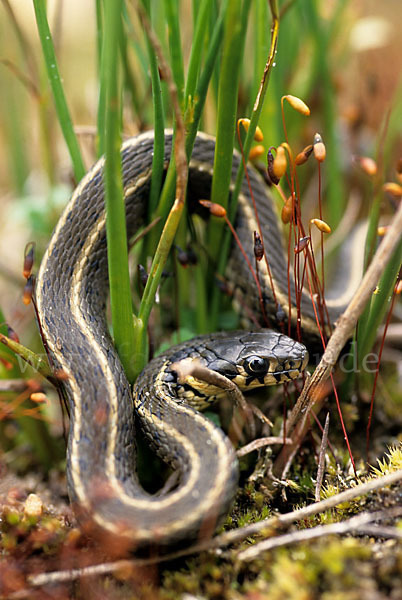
(261, 443)
(380, 531)
(236, 535)
(321, 461)
(353, 525)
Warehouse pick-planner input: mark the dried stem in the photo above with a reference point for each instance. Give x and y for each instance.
(321, 461)
(351, 525)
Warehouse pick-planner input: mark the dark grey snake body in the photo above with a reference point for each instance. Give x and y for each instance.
(71, 295)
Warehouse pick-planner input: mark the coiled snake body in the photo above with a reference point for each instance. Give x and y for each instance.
(71, 294)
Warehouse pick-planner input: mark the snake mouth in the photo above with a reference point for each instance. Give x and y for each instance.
(289, 370)
(298, 364)
(283, 376)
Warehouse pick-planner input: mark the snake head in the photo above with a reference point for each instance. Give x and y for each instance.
(260, 358)
(270, 358)
(200, 369)
(255, 359)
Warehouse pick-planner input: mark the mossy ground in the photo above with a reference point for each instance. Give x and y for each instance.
(346, 567)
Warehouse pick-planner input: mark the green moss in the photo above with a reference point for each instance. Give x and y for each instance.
(392, 462)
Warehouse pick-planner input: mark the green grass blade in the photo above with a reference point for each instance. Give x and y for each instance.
(159, 124)
(232, 52)
(200, 94)
(255, 114)
(120, 294)
(99, 31)
(60, 102)
(335, 190)
(205, 78)
(176, 57)
(379, 305)
(227, 108)
(224, 246)
(200, 30)
(147, 300)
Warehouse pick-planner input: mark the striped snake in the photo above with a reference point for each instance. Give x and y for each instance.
(71, 294)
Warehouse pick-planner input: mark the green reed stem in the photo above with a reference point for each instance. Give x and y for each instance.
(176, 57)
(320, 33)
(130, 84)
(227, 106)
(172, 222)
(255, 115)
(379, 304)
(120, 294)
(99, 32)
(60, 102)
(200, 29)
(147, 300)
(257, 108)
(200, 95)
(159, 124)
(261, 43)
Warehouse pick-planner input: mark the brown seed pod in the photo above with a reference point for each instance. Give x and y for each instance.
(61, 374)
(280, 163)
(38, 397)
(298, 104)
(286, 214)
(182, 256)
(142, 272)
(258, 135)
(302, 244)
(258, 246)
(28, 290)
(394, 189)
(321, 225)
(304, 155)
(319, 148)
(367, 164)
(28, 259)
(217, 210)
(270, 168)
(256, 152)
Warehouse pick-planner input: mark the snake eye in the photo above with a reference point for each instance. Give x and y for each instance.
(256, 365)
